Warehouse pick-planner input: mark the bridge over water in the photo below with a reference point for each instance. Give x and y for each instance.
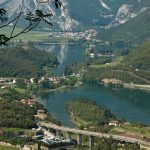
(90, 134)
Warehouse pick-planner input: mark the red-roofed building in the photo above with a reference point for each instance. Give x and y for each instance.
(30, 101)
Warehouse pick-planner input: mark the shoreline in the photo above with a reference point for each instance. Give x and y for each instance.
(137, 86)
(63, 87)
(122, 85)
(119, 83)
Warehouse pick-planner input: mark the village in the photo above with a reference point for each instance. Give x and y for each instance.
(53, 80)
(88, 34)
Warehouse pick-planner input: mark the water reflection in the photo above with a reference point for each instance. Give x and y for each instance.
(66, 54)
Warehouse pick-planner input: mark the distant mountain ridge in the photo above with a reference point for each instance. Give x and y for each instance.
(113, 19)
(135, 30)
(87, 13)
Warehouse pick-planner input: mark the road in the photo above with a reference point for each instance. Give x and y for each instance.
(95, 134)
(134, 75)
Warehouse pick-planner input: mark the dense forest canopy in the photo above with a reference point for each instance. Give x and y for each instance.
(28, 62)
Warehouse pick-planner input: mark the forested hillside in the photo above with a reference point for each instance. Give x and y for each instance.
(139, 58)
(15, 114)
(20, 61)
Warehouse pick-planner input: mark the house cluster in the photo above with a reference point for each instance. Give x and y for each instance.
(55, 140)
(98, 55)
(52, 79)
(88, 34)
(55, 79)
(92, 53)
(113, 123)
(41, 114)
(7, 81)
(113, 81)
(105, 55)
(117, 123)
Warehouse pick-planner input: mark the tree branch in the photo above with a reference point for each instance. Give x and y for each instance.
(26, 30)
(34, 20)
(5, 25)
(15, 24)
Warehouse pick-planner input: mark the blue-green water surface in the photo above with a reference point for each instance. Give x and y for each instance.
(130, 104)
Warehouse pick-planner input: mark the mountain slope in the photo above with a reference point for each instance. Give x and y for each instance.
(137, 29)
(124, 19)
(85, 13)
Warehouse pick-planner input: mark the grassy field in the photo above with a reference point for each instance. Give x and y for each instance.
(7, 148)
(35, 36)
(16, 130)
(112, 64)
(32, 35)
(137, 130)
(22, 91)
(78, 121)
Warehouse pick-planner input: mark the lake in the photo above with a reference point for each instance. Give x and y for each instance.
(129, 104)
(67, 54)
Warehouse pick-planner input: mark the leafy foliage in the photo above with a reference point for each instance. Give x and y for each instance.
(20, 83)
(16, 114)
(68, 70)
(11, 94)
(13, 113)
(110, 144)
(3, 38)
(2, 13)
(14, 141)
(58, 4)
